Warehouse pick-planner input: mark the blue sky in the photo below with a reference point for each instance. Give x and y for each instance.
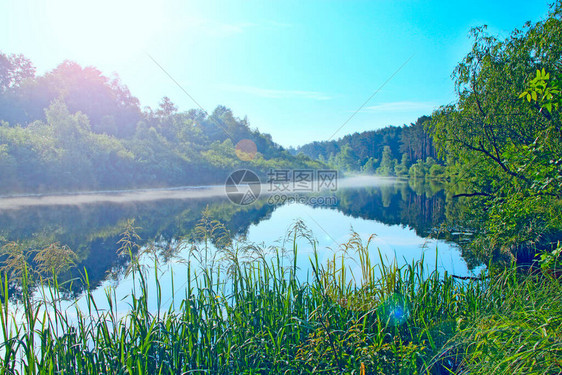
(297, 69)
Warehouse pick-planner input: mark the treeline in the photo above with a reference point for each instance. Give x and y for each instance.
(74, 128)
(390, 151)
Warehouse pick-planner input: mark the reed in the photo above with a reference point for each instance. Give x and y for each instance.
(367, 316)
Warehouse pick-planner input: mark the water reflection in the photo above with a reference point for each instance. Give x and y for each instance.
(93, 229)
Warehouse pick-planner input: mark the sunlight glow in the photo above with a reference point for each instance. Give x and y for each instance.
(104, 29)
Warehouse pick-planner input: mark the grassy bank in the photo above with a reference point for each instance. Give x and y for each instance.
(258, 318)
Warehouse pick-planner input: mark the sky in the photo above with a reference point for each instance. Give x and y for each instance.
(299, 70)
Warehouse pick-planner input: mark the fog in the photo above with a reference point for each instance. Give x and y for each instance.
(146, 195)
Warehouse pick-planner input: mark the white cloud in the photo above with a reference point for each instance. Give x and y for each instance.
(277, 94)
(404, 106)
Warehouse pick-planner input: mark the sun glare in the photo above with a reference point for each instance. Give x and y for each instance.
(105, 29)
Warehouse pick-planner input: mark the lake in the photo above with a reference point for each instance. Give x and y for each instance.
(403, 218)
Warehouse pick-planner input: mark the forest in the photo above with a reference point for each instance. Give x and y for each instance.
(75, 129)
(390, 151)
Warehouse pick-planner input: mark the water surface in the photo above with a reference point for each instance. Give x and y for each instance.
(399, 215)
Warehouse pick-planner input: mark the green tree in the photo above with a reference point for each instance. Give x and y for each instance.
(346, 159)
(370, 166)
(401, 170)
(498, 142)
(14, 69)
(387, 165)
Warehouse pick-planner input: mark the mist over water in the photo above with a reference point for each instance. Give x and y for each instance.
(148, 195)
(119, 197)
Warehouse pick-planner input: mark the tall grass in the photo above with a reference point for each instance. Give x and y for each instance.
(517, 328)
(259, 318)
